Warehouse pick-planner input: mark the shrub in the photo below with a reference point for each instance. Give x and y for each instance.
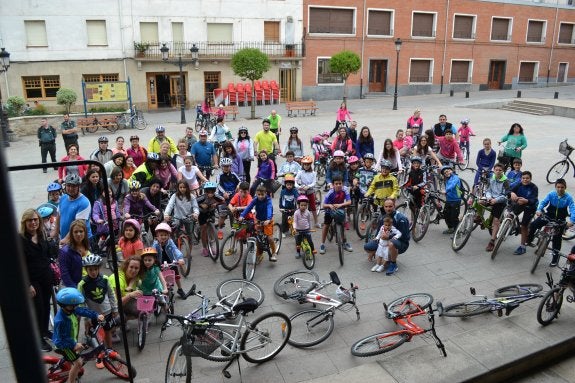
(66, 97)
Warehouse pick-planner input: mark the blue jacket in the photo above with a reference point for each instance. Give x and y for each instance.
(557, 206)
(288, 198)
(66, 327)
(529, 192)
(264, 209)
(362, 149)
(172, 250)
(70, 262)
(514, 177)
(452, 189)
(331, 173)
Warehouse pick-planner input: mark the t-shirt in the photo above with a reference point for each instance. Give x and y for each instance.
(274, 122)
(71, 210)
(265, 140)
(238, 201)
(151, 281)
(129, 248)
(203, 153)
(336, 197)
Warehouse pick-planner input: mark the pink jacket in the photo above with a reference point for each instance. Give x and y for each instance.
(449, 149)
(82, 169)
(342, 114)
(338, 145)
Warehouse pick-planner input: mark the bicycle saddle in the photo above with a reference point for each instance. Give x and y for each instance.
(510, 307)
(249, 305)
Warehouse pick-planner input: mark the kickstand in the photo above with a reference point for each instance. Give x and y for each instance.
(225, 371)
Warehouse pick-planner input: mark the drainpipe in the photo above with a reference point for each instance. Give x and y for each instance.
(364, 32)
(552, 42)
(120, 14)
(444, 45)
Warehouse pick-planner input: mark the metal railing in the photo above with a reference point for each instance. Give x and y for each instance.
(208, 50)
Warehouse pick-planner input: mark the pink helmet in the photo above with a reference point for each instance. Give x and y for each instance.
(325, 134)
(134, 223)
(352, 160)
(302, 198)
(338, 153)
(163, 227)
(317, 139)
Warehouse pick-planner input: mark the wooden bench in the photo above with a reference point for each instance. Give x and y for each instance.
(109, 122)
(231, 110)
(305, 106)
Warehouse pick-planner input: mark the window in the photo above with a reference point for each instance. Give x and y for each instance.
(379, 23)
(104, 77)
(500, 29)
(41, 86)
(420, 71)
(463, 27)
(536, 31)
(423, 25)
(566, 34)
(272, 31)
(331, 20)
(460, 71)
(36, 33)
(96, 32)
(528, 71)
(149, 33)
(220, 33)
(178, 44)
(324, 74)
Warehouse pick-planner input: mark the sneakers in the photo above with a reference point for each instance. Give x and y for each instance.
(283, 235)
(181, 294)
(99, 364)
(531, 244)
(297, 255)
(347, 247)
(520, 250)
(220, 234)
(318, 225)
(380, 268)
(449, 230)
(273, 258)
(205, 252)
(322, 249)
(554, 259)
(374, 268)
(45, 346)
(490, 246)
(392, 269)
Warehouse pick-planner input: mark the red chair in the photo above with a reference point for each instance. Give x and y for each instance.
(275, 90)
(241, 94)
(248, 88)
(232, 94)
(267, 92)
(259, 93)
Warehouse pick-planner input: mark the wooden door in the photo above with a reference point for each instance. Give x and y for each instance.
(377, 75)
(175, 90)
(496, 77)
(287, 84)
(562, 73)
(151, 89)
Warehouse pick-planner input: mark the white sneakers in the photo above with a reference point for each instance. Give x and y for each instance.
(378, 268)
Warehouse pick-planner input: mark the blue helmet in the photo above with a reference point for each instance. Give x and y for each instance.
(69, 296)
(54, 186)
(153, 157)
(160, 129)
(45, 211)
(210, 185)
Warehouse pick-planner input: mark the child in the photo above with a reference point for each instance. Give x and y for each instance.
(240, 200)
(290, 166)
(152, 278)
(452, 198)
(321, 146)
(266, 172)
(485, 160)
(389, 232)
(135, 202)
(46, 212)
(364, 176)
(228, 182)
(130, 242)
(264, 214)
(54, 193)
(334, 203)
(66, 327)
(496, 197)
(100, 214)
(100, 297)
(208, 203)
(398, 142)
(407, 142)
(182, 204)
(221, 112)
(514, 175)
(305, 183)
(168, 252)
(288, 198)
(335, 169)
(465, 132)
(302, 224)
(383, 185)
(416, 181)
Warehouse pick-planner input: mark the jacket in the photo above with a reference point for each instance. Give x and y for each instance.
(453, 188)
(172, 251)
(557, 205)
(154, 145)
(530, 192)
(264, 209)
(498, 189)
(70, 262)
(66, 327)
(383, 187)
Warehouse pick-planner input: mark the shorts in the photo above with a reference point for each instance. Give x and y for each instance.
(528, 213)
(204, 217)
(68, 354)
(497, 210)
(401, 246)
(269, 229)
(312, 202)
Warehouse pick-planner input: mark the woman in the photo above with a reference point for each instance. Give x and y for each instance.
(191, 173)
(266, 172)
(165, 149)
(73, 155)
(118, 185)
(390, 153)
(154, 194)
(129, 167)
(178, 158)
(415, 123)
(118, 159)
(294, 144)
(342, 142)
(342, 116)
(37, 256)
(70, 258)
(245, 148)
(365, 143)
(129, 276)
(119, 146)
(166, 172)
(237, 163)
(137, 152)
(515, 143)
(425, 151)
(92, 187)
(100, 214)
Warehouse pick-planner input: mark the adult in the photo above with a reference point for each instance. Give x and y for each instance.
(47, 141)
(245, 148)
(73, 206)
(342, 116)
(294, 143)
(424, 150)
(395, 246)
(415, 123)
(440, 128)
(69, 131)
(119, 185)
(204, 154)
(71, 254)
(166, 172)
(129, 276)
(137, 152)
(145, 172)
(155, 142)
(36, 250)
(92, 187)
(266, 140)
(178, 158)
(275, 123)
(73, 155)
(365, 143)
(154, 194)
(343, 142)
(524, 200)
(119, 146)
(117, 160)
(229, 151)
(391, 154)
(102, 154)
(352, 132)
(190, 137)
(515, 144)
(129, 167)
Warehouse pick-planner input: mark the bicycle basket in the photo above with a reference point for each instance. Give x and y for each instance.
(169, 276)
(338, 215)
(206, 342)
(145, 303)
(343, 294)
(564, 148)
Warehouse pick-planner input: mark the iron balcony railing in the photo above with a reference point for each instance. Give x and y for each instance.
(217, 50)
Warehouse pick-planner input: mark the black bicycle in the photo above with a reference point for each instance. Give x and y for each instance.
(560, 169)
(550, 306)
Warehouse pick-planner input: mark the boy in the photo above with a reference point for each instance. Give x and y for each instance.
(168, 252)
(227, 182)
(449, 148)
(382, 253)
(290, 166)
(514, 175)
(288, 197)
(416, 181)
(240, 200)
(383, 185)
(496, 197)
(264, 214)
(524, 199)
(208, 203)
(452, 198)
(302, 224)
(66, 327)
(337, 199)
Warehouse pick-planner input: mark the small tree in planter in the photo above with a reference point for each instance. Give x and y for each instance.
(15, 106)
(250, 63)
(66, 97)
(345, 63)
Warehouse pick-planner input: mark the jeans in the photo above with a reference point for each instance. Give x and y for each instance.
(45, 148)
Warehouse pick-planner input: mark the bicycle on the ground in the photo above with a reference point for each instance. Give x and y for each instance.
(401, 311)
(560, 168)
(509, 225)
(474, 217)
(312, 326)
(550, 306)
(544, 236)
(257, 239)
(506, 298)
(133, 118)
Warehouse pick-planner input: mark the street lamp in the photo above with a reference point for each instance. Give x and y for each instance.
(194, 49)
(397, 49)
(165, 55)
(4, 65)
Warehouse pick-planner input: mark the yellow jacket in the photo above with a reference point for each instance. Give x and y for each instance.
(383, 187)
(154, 146)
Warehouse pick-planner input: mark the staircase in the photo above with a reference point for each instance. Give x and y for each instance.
(372, 95)
(528, 107)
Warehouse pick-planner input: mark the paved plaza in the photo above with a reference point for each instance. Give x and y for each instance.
(474, 346)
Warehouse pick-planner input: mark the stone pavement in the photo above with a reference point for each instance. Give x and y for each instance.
(475, 346)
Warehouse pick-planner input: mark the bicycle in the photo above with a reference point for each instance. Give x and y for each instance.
(320, 168)
(257, 238)
(545, 235)
(182, 239)
(146, 305)
(232, 248)
(432, 206)
(473, 217)
(336, 230)
(510, 225)
(58, 368)
(104, 246)
(550, 306)
(132, 117)
(560, 169)
(312, 326)
(506, 298)
(401, 311)
(364, 215)
(307, 254)
(111, 125)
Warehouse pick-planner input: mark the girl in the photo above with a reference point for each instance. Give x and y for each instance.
(92, 187)
(302, 224)
(237, 163)
(100, 215)
(343, 142)
(321, 146)
(423, 150)
(129, 167)
(336, 168)
(118, 160)
(305, 181)
(152, 278)
(221, 112)
(415, 123)
(245, 149)
(70, 258)
(178, 158)
(168, 252)
(266, 172)
(294, 143)
(364, 143)
(182, 205)
(515, 144)
(154, 194)
(73, 155)
(118, 186)
(398, 142)
(190, 174)
(465, 132)
(130, 242)
(119, 146)
(341, 118)
(486, 158)
(166, 171)
(390, 153)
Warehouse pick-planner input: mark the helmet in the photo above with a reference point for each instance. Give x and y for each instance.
(415, 126)
(225, 161)
(153, 157)
(203, 133)
(134, 138)
(135, 185)
(343, 294)
(368, 156)
(445, 167)
(326, 133)
(151, 250)
(160, 129)
(73, 179)
(416, 159)
(210, 185)
(133, 222)
(163, 227)
(103, 139)
(54, 186)
(465, 121)
(302, 198)
(338, 153)
(242, 129)
(293, 129)
(91, 260)
(307, 160)
(385, 164)
(69, 296)
(45, 211)
(352, 160)
(289, 178)
(338, 215)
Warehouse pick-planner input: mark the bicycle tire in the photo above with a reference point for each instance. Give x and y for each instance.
(59, 375)
(248, 290)
(330, 232)
(277, 236)
(463, 231)
(261, 331)
(339, 241)
(287, 286)
(421, 223)
(320, 172)
(465, 309)
(178, 366)
(198, 125)
(540, 252)
(142, 328)
(308, 256)
(184, 246)
(231, 256)
(92, 128)
(404, 209)
(112, 128)
(141, 123)
(213, 242)
(363, 219)
(550, 305)
(518, 289)
(371, 345)
(213, 335)
(558, 170)
(420, 300)
(122, 121)
(119, 367)
(249, 266)
(310, 327)
(501, 236)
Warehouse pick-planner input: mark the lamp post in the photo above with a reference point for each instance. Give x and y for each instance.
(4, 65)
(397, 49)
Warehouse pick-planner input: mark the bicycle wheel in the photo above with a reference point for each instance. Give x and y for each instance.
(277, 236)
(213, 243)
(141, 122)
(310, 327)
(93, 127)
(184, 246)
(249, 268)
(378, 344)
(421, 223)
(112, 127)
(308, 257)
(550, 306)
(179, 366)
(463, 310)
(569, 233)
(558, 170)
(540, 252)
(142, 329)
(265, 337)
(302, 281)
(56, 375)
(317, 195)
(518, 289)
(330, 232)
(340, 241)
(320, 174)
(118, 366)
(198, 125)
(231, 252)
(501, 236)
(463, 231)
(209, 344)
(122, 121)
(362, 220)
(409, 304)
(465, 155)
(231, 288)
(404, 209)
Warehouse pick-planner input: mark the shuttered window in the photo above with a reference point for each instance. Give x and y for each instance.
(535, 31)
(36, 33)
(41, 86)
(272, 31)
(460, 71)
(178, 32)
(149, 33)
(96, 32)
(463, 27)
(423, 25)
(103, 77)
(420, 71)
(220, 33)
(566, 33)
(379, 23)
(500, 29)
(324, 74)
(527, 72)
(331, 20)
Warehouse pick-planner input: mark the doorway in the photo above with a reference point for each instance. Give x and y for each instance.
(287, 84)
(164, 90)
(212, 81)
(562, 72)
(377, 75)
(496, 77)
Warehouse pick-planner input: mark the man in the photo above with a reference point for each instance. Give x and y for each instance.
(275, 124)
(204, 154)
(73, 205)
(524, 199)
(102, 154)
(190, 137)
(266, 140)
(144, 173)
(154, 144)
(442, 126)
(395, 246)
(69, 131)
(47, 142)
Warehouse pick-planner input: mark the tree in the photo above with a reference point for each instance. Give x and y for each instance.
(345, 63)
(15, 105)
(66, 97)
(250, 63)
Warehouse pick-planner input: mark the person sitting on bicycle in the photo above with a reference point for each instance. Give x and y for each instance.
(144, 173)
(100, 214)
(168, 252)
(416, 181)
(136, 201)
(100, 296)
(449, 148)
(264, 215)
(524, 198)
(453, 195)
(182, 205)
(557, 205)
(496, 197)
(364, 176)
(154, 194)
(152, 278)
(102, 154)
(383, 185)
(204, 154)
(321, 147)
(514, 174)
(352, 169)
(219, 132)
(305, 181)
(266, 173)
(130, 242)
(336, 168)
(227, 182)
(334, 204)
(290, 166)
(240, 200)
(208, 203)
(464, 133)
(288, 198)
(66, 327)
(302, 223)
(486, 158)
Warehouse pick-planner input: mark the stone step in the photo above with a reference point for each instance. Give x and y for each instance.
(372, 95)
(528, 108)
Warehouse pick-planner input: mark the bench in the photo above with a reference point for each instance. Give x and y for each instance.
(298, 106)
(230, 110)
(109, 122)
